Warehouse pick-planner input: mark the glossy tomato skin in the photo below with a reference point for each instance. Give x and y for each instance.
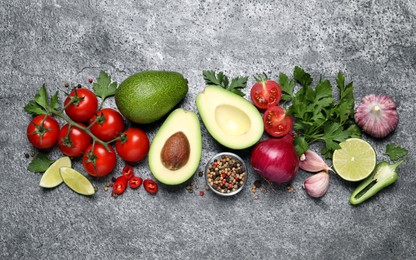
(265, 94)
(75, 143)
(110, 124)
(276, 122)
(150, 186)
(42, 132)
(135, 182)
(85, 108)
(105, 161)
(120, 185)
(134, 145)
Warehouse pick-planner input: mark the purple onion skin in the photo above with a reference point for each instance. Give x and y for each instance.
(275, 160)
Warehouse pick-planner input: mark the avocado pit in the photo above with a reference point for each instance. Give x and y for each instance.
(176, 151)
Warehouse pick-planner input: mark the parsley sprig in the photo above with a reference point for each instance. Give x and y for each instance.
(104, 87)
(318, 115)
(221, 80)
(395, 152)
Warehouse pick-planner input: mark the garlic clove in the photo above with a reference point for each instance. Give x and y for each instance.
(310, 161)
(377, 115)
(317, 185)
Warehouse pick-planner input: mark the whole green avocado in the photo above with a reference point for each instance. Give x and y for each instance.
(147, 96)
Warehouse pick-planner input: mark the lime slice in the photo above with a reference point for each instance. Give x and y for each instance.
(76, 181)
(51, 177)
(355, 160)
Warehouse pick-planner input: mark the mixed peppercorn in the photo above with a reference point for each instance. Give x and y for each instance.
(226, 174)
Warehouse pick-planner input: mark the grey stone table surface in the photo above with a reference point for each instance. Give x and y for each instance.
(53, 42)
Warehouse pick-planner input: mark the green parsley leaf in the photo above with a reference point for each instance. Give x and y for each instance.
(287, 86)
(41, 104)
(104, 87)
(41, 97)
(300, 144)
(302, 77)
(34, 108)
(395, 152)
(54, 101)
(318, 118)
(221, 80)
(40, 163)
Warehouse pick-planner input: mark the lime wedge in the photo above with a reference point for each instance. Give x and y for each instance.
(51, 177)
(355, 160)
(76, 181)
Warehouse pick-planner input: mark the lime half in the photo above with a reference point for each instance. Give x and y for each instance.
(76, 181)
(355, 160)
(51, 177)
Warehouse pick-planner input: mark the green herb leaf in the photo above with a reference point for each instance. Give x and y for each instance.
(222, 80)
(300, 144)
(318, 118)
(237, 84)
(40, 163)
(34, 108)
(41, 104)
(302, 77)
(104, 87)
(41, 97)
(54, 101)
(395, 152)
(287, 86)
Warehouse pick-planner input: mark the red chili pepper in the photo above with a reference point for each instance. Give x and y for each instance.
(150, 186)
(128, 171)
(120, 185)
(135, 182)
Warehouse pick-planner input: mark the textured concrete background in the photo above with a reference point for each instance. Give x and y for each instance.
(53, 42)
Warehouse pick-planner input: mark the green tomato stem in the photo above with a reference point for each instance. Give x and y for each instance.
(85, 129)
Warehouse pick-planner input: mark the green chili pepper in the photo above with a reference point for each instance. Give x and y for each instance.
(382, 176)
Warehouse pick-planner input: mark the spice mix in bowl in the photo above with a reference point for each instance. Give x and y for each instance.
(226, 174)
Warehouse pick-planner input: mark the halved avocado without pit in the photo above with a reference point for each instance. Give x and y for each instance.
(230, 119)
(175, 151)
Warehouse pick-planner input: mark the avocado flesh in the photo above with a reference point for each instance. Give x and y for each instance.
(186, 122)
(147, 96)
(230, 119)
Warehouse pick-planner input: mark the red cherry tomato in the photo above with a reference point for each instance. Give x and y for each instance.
(265, 94)
(276, 122)
(133, 145)
(109, 124)
(120, 185)
(135, 182)
(97, 161)
(84, 107)
(43, 131)
(128, 171)
(150, 186)
(73, 143)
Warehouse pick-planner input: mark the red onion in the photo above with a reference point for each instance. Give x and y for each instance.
(276, 159)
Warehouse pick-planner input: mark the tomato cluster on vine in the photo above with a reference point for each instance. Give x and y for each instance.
(90, 132)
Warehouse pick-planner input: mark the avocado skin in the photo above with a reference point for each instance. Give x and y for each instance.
(147, 96)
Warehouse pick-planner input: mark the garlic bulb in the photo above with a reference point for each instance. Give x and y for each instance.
(317, 185)
(377, 115)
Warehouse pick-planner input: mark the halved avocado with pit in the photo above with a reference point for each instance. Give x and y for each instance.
(230, 119)
(175, 151)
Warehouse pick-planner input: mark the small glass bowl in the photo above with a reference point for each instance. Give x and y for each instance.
(218, 157)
